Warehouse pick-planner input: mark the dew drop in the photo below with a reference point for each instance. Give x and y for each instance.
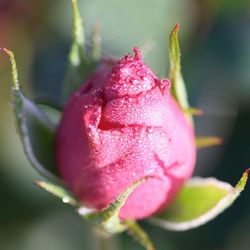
(65, 199)
(128, 79)
(135, 82)
(85, 210)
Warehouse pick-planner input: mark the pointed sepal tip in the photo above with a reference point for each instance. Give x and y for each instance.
(13, 66)
(243, 180)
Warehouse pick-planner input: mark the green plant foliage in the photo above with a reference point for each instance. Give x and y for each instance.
(58, 191)
(108, 218)
(139, 234)
(178, 87)
(199, 201)
(36, 131)
(207, 141)
(80, 64)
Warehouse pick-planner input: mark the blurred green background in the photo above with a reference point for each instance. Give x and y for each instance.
(215, 42)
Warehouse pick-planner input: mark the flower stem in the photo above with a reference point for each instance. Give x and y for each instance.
(106, 241)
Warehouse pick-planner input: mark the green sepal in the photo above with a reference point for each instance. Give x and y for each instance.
(198, 202)
(80, 64)
(35, 129)
(178, 88)
(207, 141)
(193, 111)
(240, 186)
(96, 43)
(108, 218)
(60, 192)
(65, 195)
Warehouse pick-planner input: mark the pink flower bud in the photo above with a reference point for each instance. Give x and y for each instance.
(121, 126)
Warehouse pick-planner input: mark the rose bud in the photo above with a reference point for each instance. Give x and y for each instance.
(119, 127)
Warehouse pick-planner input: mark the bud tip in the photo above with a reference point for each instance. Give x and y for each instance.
(137, 54)
(176, 27)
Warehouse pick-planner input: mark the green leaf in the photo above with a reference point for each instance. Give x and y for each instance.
(139, 234)
(35, 129)
(199, 201)
(58, 191)
(108, 218)
(178, 86)
(193, 111)
(207, 141)
(80, 66)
